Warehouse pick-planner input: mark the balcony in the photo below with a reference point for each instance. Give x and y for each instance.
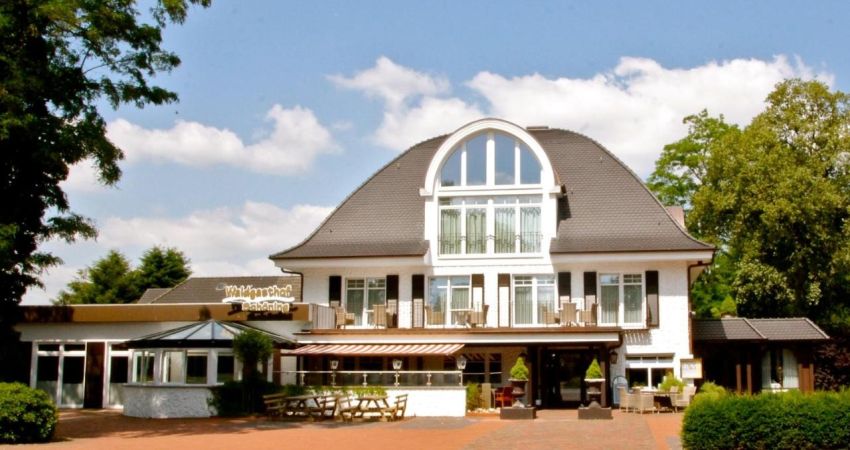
(522, 243)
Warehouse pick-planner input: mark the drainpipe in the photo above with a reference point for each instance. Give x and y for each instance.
(690, 303)
(301, 285)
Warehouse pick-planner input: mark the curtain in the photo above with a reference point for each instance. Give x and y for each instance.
(449, 232)
(505, 234)
(476, 230)
(610, 303)
(789, 370)
(530, 230)
(633, 303)
(545, 301)
(354, 304)
(523, 305)
(766, 377)
(460, 301)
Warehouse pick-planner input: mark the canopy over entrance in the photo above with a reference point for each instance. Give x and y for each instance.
(207, 334)
(377, 349)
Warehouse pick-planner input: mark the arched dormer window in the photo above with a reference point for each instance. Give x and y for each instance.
(511, 160)
(492, 193)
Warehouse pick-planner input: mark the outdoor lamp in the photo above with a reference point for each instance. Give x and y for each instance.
(461, 362)
(334, 364)
(613, 357)
(397, 364)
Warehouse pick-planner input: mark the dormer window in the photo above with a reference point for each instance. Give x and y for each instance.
(490, 159)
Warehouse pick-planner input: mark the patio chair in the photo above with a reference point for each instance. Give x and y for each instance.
(588, 316)
(625, 399)
(343, 318)
(502, 397)
(549, 317)
(568, 314)
(395, 412)
(379, 316)
(392, 313)
(434, 317)
(645, 402)
(683, 399)
(477, 318)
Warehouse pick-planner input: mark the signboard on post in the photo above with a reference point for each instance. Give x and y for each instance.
(692, 368)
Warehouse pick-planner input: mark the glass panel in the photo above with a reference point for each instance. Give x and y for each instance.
(495, 368)
(505, 159)
(73, 369)
(460, 304)
(449, 232)
(354, 303)
(437, 296)
(172, 367)
(505, 235)
(226, 368)
(523, 305)
(48, 347)
(545, 299)
(476, 231)
(476, 161)
(530, 230)
(196, 368)
(377, 295)
(450, 175)
(529, 166)
(144, 368)
(610, 303)
(633, 299)
(75, 347)
(637, 377)
(118, 371)
(47, 375)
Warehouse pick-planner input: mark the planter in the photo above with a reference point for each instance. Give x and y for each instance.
(594, 389)
(518, 392)
(518, 413)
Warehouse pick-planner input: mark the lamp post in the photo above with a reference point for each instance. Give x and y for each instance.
(397, 366)
(334, 366)
(461, 365)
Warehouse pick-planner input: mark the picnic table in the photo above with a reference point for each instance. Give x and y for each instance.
(370, 404)
(310, 405)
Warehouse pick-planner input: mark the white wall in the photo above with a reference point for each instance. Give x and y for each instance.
(448, 401)
(166, 402)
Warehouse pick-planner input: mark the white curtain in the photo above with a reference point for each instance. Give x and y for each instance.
(523, 305)
(545, 301)
(530, 230)
(789, 370)
(449, 232)
(505, 234)
(460, 301)
(633, 302)
(476, 230)
(354, 304)
(766, 378)
(610, 303)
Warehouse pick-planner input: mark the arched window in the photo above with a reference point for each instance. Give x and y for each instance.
(490, 159)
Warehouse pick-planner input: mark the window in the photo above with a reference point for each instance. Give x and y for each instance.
(173, 366)
(621, 299)
(196, 367)
(143, 367)
(361, 295)
(225, 368)
(779, 366)
(449, 301)
(60, 370)
(464, 222)
(533, 295)
(510, 163)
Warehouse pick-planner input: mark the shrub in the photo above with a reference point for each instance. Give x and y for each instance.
(473, 396)
(593, 371)
(519, 371)
(670, 381)
(789, 420)
(252, 346)
(26, 414)
(239, 398)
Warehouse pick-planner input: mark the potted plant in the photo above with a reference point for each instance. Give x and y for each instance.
(594, 379)
(519, 377)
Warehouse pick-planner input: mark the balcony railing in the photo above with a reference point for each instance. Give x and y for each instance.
(377, 377)
(528, 242)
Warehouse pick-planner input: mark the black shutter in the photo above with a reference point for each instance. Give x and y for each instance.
(392, 287)
(652, 298)
(335, 289)
(564, 286)
(417, 309)
(589, 289)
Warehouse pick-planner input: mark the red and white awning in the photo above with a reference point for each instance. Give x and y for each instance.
(376, 349)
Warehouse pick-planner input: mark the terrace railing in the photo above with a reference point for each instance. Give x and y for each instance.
(427, 378)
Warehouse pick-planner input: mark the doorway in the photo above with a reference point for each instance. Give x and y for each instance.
(562, 378)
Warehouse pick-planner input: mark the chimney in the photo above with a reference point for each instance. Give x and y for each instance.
(678, 214)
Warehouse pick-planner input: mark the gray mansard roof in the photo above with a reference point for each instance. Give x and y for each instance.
(606, 208)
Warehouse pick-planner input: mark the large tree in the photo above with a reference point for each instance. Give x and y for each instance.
(161, 268)
(59, 59)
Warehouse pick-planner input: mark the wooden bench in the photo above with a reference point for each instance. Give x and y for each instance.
(275, 404)
(395, 412)
(325, 408)
(347, 408)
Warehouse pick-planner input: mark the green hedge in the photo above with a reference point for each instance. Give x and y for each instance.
(26, 415)
(768, 421)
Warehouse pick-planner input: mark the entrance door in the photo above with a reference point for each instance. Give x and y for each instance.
(563, 372)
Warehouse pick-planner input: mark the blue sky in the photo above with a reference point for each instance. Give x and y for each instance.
(286, 107)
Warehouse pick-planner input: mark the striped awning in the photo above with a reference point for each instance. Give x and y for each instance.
(376, 349)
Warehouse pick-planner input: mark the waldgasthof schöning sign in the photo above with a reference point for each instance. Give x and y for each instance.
(259, 299)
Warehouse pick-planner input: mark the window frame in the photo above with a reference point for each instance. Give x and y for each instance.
(366, 313)
(447, 309)
(621, 298)
(536, 320)
(490, 204)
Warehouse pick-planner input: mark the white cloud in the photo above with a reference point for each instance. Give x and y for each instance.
(393, 83)
(634, 109)
(223, 241)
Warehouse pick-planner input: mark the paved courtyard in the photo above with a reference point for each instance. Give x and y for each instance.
(553, 429)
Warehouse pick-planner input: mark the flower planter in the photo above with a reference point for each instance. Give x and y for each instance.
(518, 392)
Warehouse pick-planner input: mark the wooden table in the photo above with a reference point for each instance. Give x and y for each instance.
(299, 405)
(370, 404)
(662, 400)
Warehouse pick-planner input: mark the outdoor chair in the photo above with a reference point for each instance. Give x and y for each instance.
(477, 318)
(395, 412)
(343, 318)
(568, 314)
(625, 399)
(588, 316)
(379, 316)
(502, 397)
(549, 317)
(434, 317)
(645, 402)
(683, 399)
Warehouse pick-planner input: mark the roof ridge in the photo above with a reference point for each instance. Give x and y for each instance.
(279, 255)
(754, 328)
(816, 327)
(634, 175)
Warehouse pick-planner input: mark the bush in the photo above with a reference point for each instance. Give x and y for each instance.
(519, 371)
(789, 420)
(593, 371)
(240, 398)
(26, 415)
(671, 381)
(473, 396)
(251, 347)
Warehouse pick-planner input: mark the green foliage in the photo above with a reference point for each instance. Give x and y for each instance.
(711, 293)
(519, 371)
(26, 415)
(473, 396)
(59, 60)
(111, 279)
(593, 371)
(710, 388)
(357, 391)
(777, 421)
(251, 347)
(240, 398)
(670, 381)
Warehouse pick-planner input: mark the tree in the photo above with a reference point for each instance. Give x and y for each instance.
(58, 60)
(109, 280)
(162, 268)
(251, 347)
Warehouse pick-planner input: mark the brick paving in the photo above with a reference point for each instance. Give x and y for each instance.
(553, 429)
